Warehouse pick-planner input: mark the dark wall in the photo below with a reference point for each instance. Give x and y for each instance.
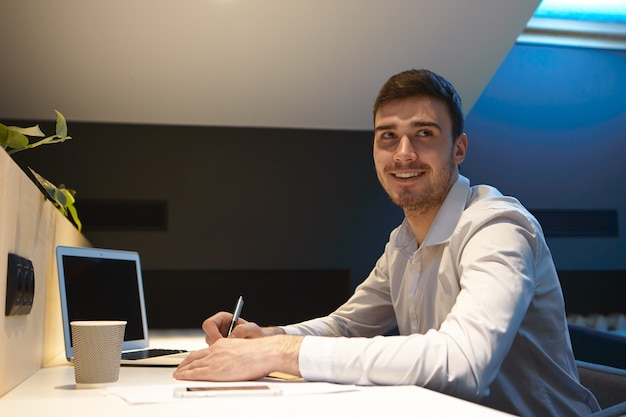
(236, 198)
(184, 299)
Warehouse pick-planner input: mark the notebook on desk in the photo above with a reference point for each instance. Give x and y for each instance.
(105, 284)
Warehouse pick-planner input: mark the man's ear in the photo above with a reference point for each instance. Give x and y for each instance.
(460, 148)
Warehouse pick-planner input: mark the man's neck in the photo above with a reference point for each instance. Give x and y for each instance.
(420, 223)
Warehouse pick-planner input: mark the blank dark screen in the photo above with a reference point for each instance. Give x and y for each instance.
(103, 289)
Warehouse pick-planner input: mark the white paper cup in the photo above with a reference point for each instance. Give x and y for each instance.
(97, 350)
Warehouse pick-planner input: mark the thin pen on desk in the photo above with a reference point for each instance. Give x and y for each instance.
(236, 314)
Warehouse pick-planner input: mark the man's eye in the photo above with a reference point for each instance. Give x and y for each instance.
(387, 135)
(424, 133)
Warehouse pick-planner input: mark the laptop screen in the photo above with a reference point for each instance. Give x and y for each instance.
(99, 284)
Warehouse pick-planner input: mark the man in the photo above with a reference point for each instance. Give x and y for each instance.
(467, 279)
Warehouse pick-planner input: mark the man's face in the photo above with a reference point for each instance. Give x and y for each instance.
(415, 155)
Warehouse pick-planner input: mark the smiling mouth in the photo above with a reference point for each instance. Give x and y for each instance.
(407, 174)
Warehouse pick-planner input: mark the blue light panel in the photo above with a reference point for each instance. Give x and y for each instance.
(605, 11)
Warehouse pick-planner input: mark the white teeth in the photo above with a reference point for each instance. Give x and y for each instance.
(406, 174)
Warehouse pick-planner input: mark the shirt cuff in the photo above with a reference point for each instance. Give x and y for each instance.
(289, 330)
(315, 358)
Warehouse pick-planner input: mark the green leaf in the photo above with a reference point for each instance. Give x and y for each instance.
(68, 195)
(4, 135)
(15, 137)
(74, 214)
(16, 140)
(61, 197)
(47, 185)
(28, 131)
(61, 125)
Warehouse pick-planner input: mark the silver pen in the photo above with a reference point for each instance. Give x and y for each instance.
(236, 314)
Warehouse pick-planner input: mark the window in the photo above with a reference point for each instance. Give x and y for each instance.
(582, 23)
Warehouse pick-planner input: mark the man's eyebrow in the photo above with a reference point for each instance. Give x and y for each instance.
(385, 127)
(392, 126)
(426, 124)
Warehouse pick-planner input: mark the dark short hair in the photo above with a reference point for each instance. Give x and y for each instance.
(423, 82)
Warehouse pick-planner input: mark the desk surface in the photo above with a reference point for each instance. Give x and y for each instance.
(52, 392)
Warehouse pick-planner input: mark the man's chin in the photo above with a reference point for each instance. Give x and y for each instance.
(418, 204)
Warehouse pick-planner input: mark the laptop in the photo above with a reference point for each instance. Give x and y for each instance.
(105, 284)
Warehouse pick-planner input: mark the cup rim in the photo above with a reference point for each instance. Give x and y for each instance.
(92, 323)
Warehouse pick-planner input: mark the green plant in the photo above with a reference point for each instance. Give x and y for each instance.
(61, 197)
(15, 139)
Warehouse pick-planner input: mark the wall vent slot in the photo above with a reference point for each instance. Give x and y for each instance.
(578, 223)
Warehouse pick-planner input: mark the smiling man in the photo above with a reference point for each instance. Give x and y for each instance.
(467, 279)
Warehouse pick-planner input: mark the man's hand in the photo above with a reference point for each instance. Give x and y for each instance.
(217, 326)
(236, 359)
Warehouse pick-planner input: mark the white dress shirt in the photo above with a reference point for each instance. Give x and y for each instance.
(478, 307)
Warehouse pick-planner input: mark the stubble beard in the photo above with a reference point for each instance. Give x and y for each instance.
(430, 198)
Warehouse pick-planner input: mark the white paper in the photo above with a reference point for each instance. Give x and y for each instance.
(156, 394)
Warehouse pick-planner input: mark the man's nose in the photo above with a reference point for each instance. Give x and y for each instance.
(405, 150)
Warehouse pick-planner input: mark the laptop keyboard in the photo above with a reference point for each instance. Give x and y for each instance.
(149, 353)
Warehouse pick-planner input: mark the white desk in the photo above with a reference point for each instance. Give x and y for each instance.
(51, 392)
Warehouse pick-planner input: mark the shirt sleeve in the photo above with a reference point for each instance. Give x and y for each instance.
(463, 356)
